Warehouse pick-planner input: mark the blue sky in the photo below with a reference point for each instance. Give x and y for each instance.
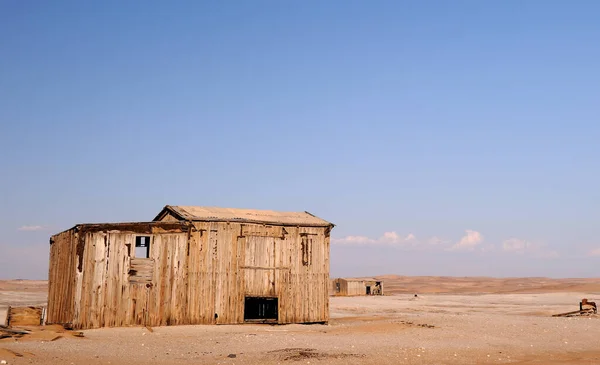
(443, 138)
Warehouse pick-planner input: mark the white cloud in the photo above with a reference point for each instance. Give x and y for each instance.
(353, 240)
(594, 252)
(516, 245)
(469, 241)
(524, 247)
(31, 228)
(388, 238)
(435, 241)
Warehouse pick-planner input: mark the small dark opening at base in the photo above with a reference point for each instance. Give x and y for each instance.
(258, 309)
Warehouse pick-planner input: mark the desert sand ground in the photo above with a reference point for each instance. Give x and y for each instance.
(451, 321)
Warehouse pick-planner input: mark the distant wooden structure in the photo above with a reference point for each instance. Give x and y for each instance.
(192, 265)
(353, 287)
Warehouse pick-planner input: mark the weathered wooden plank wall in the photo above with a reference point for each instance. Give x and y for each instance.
(61, 277)
(343, 287)
(356, 288)
(198, 276)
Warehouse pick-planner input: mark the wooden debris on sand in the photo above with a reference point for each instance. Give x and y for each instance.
(40, 333)
(11, 332)
(25, 316)
(583, 312)
(586, 308)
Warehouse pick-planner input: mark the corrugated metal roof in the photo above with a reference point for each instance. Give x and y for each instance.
(195, 213)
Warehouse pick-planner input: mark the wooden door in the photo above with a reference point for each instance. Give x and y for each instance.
(259, 266)
(139, 297)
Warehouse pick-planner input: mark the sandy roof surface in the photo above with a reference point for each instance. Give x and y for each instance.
(196, 213)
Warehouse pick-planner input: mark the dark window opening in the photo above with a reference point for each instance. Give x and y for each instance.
(337, 287)
(142, 247)
(260, 309)
(368, 290)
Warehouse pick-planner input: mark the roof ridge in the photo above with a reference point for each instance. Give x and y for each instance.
(222, 214)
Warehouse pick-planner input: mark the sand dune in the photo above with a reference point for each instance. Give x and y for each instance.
(394, 284)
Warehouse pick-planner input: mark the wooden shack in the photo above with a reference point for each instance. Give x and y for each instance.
(192, 265)
(352, 287)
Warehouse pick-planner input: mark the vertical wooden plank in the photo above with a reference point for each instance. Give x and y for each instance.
(219, 259)
(214, 269)
(178, 246)
(205, 293)
(127, 290)
(239, 277)
(193, 276)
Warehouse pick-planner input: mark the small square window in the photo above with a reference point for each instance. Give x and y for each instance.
(142, 247)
